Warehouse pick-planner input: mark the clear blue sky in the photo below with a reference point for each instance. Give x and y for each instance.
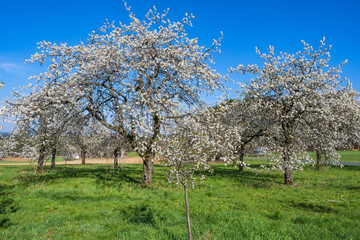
(245, 24)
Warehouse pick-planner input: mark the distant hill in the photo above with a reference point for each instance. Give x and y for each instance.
(5, 134)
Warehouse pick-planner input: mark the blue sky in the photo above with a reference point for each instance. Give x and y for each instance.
(245, 24)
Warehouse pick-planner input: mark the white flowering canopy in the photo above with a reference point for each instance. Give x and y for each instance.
(133, 77)
(296, 89)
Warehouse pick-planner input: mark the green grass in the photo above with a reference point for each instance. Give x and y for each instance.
(132, 154)
(255, 158)
(350, 156)
(60, 159)
(346, 156)
(5, 161)
(96, 202)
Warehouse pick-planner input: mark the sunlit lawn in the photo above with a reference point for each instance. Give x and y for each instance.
(132, 154)
(58, 159)
(96, 202)
(346, 156)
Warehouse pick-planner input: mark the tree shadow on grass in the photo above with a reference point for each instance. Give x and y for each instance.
(115, 179)
(7, 205)
(351, 168)
(138, 214)
(312, 207)
(103, 175)
(248, 178)
(356, 188)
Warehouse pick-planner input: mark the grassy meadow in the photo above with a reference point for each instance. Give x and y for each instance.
(346, 156)
(98, 202)
(58, 159)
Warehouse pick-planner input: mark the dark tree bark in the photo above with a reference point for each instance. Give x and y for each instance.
(149, 156)
(116, 157)
(241, 156)
(234, 162)
(53, 157)
(243, 144)
(41, 157)
(147, 169)
(187, 212)
(288, 179)
(318, 159)
(286, 127)
(83, 155)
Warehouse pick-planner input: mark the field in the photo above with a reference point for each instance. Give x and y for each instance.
(346, 156)
(58, 159)
(96, 202)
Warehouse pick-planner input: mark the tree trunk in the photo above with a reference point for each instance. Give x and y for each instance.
(288, 179)
(116, 157)
(122, 153)
(318, 159)
(187, 212)
(41, 157)
(242, 153)
(287, 127)
(83, 155)
(53, 157)
(147, 169)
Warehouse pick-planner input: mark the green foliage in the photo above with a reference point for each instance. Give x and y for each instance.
(97, 202)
